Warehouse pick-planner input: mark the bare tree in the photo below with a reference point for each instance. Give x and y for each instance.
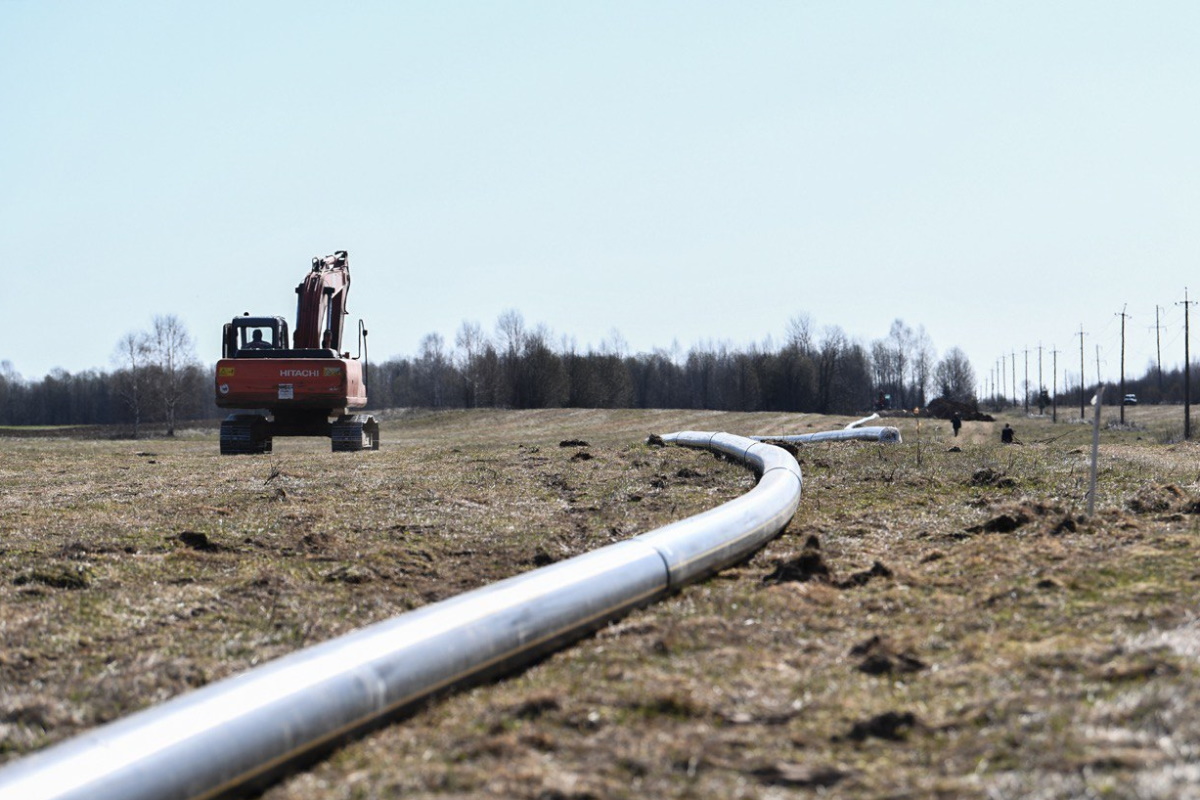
(901, 338)
(921, 367)
(10, 386)
(433, 366)
(471, 343)
(800, 333)
(132, 358)
(833, 346)
(511, 338)
(954, 377)
(510, 327)
(172, 354)
(614, 344)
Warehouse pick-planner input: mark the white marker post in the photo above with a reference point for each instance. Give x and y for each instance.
(1098, 402)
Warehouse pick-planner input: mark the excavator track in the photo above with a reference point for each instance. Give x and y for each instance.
(354, 432)
(245, 434)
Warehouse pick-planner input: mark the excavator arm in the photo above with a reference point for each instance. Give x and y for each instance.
(321, 303)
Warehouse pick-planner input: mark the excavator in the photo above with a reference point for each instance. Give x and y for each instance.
(303, 386)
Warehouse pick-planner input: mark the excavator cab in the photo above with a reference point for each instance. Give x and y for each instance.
(249, 336)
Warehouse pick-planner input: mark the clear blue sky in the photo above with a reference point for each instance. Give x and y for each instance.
(999, 172)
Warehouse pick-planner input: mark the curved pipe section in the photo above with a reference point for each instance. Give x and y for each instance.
(698, 546)
(207, 742)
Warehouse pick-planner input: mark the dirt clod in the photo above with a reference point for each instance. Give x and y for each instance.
(881, 657)
(877, 570)
(892, 726)
(1001, 523)
(984, 476)
(808, 566)
(800, 776)
(197, 541)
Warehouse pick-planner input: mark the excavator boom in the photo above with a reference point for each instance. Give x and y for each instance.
(321, 302)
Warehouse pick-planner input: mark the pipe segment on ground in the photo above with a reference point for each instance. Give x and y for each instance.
(212, 740)
(878, 433)
(699, 545)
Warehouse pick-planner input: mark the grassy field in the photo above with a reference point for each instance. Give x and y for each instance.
(941, 618)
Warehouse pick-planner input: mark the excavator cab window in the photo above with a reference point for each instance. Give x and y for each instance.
(258, 339)
(250, 334)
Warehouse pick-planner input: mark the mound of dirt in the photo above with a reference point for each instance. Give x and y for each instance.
(987, 476)
(808, 566)
(944, 408)
(880, 657)
(197, 541)
(891, 726)
(1052, 519)
(1161, 498)
(877, 570)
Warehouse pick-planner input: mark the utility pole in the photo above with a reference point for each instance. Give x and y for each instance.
(1123, 317)
(1187, 369)
(1158, 346)
(1003, 384)
(1081, 389)
(1014, 376)
(1041, 383)
(1054, 391)
(1027, 381)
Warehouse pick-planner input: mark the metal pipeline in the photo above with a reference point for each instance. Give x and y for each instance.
(210, 741)
(880, 433)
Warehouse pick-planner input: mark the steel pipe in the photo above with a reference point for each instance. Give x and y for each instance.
(699, 545)
(210, 741)
(879, 433)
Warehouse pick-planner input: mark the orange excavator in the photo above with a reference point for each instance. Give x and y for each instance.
(305, 386)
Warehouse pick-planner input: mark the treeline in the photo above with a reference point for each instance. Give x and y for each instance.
(95, 397)
(520, 367)
(1151, 388)
(157, 379)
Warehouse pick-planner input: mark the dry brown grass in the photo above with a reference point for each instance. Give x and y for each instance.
(950, 628)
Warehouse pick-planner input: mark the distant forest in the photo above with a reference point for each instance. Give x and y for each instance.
(158, 380)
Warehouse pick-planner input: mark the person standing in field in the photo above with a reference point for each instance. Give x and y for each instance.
(1006, 435)
(956, 423)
